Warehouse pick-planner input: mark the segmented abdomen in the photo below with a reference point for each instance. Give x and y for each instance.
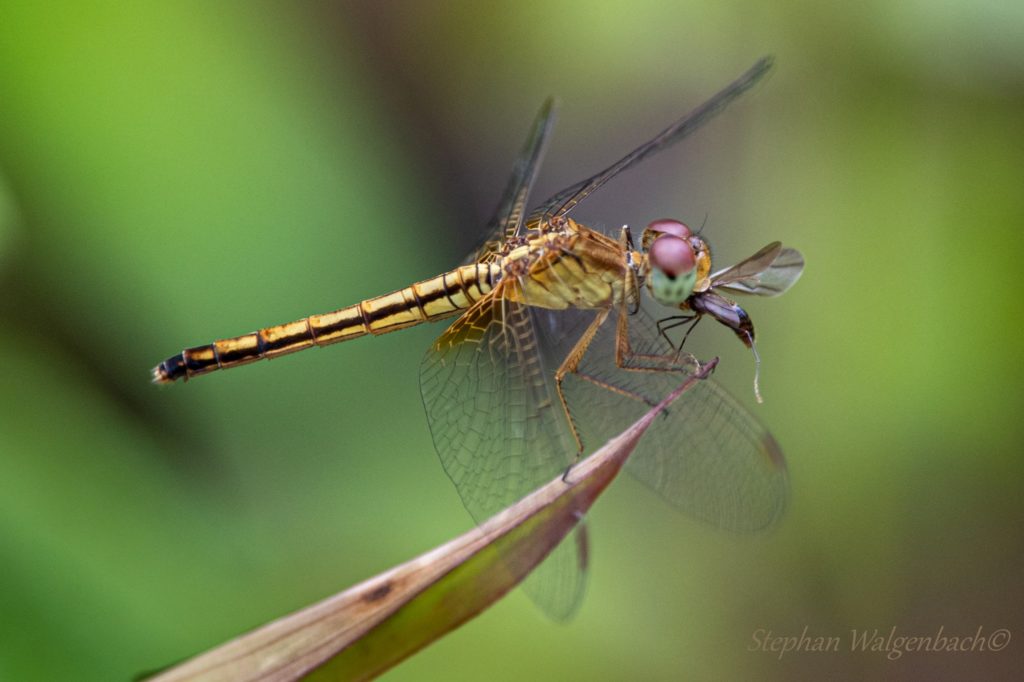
(431, 299)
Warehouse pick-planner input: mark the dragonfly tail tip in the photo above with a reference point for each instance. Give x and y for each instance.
(159, 375)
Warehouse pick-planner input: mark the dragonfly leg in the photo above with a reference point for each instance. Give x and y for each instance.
(618, 389)
(570, 366)
(626, 358)
(608, 387)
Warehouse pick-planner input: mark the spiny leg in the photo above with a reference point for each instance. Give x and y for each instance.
(625, 392)
(630, 293)
(570, 365)
(622, 351)
(626, 358)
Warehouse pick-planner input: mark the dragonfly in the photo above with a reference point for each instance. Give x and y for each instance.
(555, 348)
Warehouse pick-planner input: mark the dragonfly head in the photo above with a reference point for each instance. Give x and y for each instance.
(678, 262)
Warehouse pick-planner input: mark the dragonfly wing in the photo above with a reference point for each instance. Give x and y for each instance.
(748, 267)
(566, 200)
(769, 272)
(558, 583)
(498, 428)
(707, 457)
(508, 219)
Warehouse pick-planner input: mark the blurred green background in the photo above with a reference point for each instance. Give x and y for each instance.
(175, 173)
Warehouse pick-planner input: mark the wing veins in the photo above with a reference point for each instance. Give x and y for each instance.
(508, 218)
(748, 267)
(566, 200)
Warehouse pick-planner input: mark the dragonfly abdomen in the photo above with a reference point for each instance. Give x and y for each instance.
(432, 299)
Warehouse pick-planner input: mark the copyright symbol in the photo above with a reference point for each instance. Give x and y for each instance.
(998, 640)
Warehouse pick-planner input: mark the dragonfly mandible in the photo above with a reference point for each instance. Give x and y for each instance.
(553, 351)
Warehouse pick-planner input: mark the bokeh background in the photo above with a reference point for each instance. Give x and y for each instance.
(177, 172)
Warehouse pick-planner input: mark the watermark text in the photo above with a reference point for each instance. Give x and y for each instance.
(892, 643)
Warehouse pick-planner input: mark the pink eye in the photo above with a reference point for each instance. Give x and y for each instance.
(669, 226)
(672, 255)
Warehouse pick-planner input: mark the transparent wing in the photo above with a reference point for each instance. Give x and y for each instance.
(566, 200)
(750, 266)
(769, 272)
(508, 219)
(707, 456)
(498, 429)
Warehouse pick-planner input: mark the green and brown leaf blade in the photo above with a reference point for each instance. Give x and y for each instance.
(368, 628)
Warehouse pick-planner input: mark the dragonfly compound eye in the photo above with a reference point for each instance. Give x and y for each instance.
(673, 269)
(669, 226)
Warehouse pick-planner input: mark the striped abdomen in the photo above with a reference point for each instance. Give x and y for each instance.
(432, 299)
